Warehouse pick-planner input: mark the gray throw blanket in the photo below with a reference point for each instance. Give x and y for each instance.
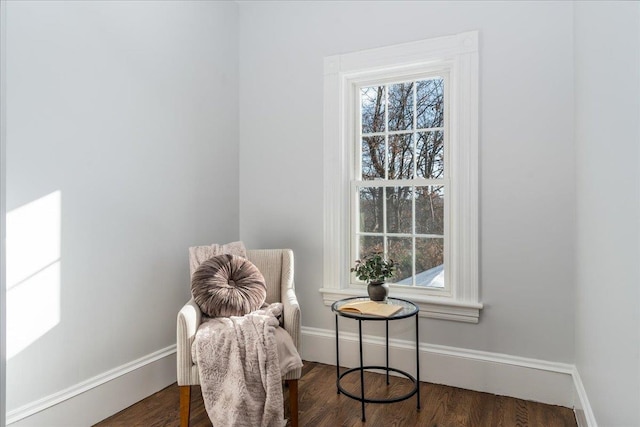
(239, 372)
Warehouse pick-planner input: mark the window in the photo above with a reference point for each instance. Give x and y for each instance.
(400, 178)
(401, 171)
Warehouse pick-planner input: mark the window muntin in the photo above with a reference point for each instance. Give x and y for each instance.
(400, 185)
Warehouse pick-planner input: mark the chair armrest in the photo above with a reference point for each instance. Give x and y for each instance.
(189, 318)
(292, 317)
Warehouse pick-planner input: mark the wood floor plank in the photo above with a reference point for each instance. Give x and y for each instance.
(321, 406)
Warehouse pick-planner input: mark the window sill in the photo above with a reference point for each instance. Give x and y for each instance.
(432, 307)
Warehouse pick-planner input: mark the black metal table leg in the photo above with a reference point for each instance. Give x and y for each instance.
(361, 368)
(387, 348)
(417, 362)
(337, 359)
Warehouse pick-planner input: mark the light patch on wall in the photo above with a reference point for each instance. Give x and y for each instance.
(33, 271)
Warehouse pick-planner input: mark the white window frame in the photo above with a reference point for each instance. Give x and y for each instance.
(457, 56)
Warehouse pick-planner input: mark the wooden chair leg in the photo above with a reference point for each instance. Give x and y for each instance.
(185, 405)
(293, 401)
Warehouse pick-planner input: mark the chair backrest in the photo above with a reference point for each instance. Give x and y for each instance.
(276, 265)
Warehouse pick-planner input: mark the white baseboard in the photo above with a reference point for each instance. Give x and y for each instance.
(501, 374)
(582, 408)
(97, 398)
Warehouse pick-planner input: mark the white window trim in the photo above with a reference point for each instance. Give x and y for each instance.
(459, 53)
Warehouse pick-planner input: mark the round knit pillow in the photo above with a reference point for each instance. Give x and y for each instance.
(228, 285)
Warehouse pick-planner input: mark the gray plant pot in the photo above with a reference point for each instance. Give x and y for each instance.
(378, 291)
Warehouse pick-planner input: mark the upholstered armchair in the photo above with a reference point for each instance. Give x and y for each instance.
(276, 265)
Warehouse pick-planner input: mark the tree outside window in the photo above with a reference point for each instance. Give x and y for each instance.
(400, 185)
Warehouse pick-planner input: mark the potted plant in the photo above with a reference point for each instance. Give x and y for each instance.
(374, 270)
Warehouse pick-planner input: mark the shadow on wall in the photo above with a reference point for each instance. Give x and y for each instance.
(33, 271)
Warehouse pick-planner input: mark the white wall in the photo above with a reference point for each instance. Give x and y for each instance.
(607, 84)
(3, 191)
(130, 111)
(526, 153)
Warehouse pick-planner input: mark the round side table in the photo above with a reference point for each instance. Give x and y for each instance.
(408, 310)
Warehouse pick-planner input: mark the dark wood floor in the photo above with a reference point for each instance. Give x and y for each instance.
(321, 406)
